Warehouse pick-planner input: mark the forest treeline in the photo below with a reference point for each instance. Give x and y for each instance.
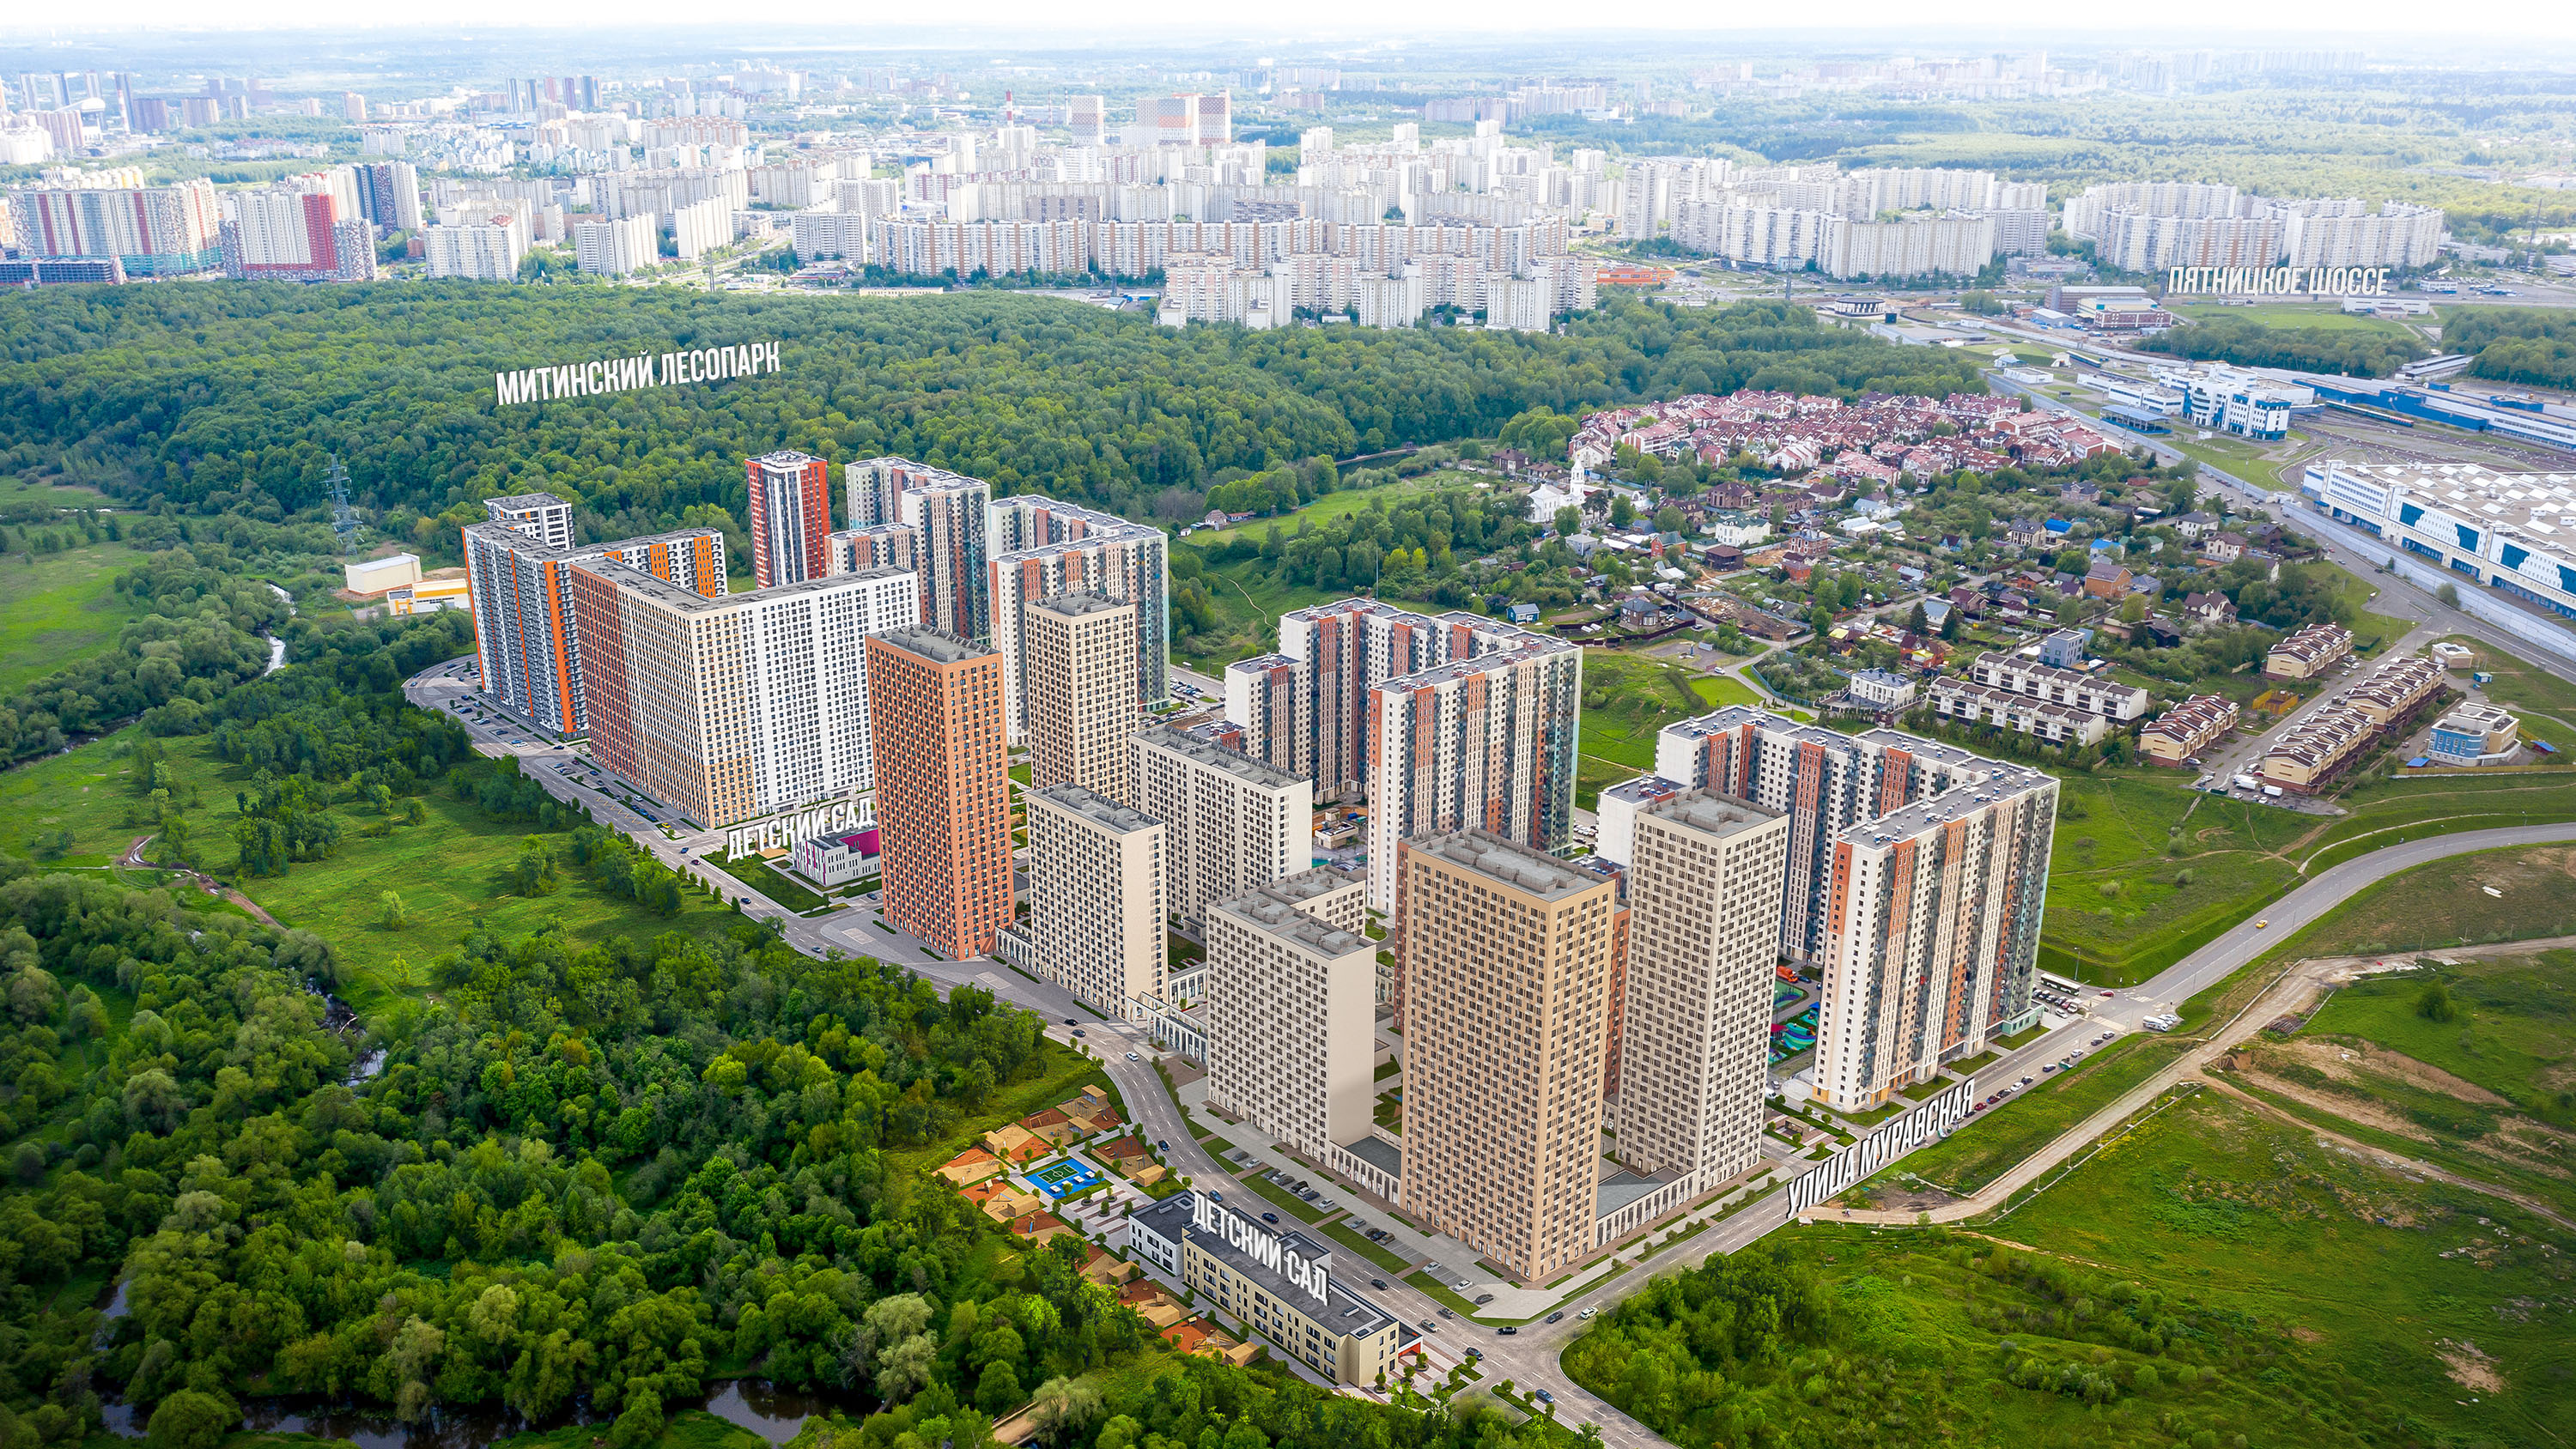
(2531, 345)
(232, 398)
(2349, 351)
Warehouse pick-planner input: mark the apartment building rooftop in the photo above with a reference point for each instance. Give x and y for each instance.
(1080, 604)
(1262, 665)
(1280, 913)
(1998, 781)
(1531, 872)
(1217, 757)
(504, 533)
(1099, 809)
(937, 645)
(1710, 814)
(689, 601)
(521, 502)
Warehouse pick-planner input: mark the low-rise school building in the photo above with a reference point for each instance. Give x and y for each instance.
(1276, 1283)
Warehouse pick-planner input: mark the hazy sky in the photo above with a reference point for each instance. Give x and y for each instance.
(2175, 23)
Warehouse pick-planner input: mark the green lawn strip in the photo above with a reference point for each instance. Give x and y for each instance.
(1996, 1140)
(1340, 1232)
(761, 876)
(1284, 1198)
(1388, 1069)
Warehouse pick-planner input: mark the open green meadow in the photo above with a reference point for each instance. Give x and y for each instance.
(2494, 895)
(449, 871)
(2004, 1135)
(2291, 314)
(1333, 507)
(2144, 871)
(2371, 1307)
(59, 609)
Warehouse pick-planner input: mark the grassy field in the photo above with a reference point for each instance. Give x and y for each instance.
(1333, 506)
(2367, 1307)
(2476, 1082)
(2143, 872)
(60, 609)
(1628, 697)
(2291, 314)
(447, 870)
(2003, 1135)
(2446, 903)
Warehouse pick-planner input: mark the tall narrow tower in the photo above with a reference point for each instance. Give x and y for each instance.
(943, 791)
(791, 515)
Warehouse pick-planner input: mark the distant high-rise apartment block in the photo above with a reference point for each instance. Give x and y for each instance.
(528, 638)
(1042, 548)
(791, 515)
(1694, 1046)
(1088, 116)
(1292, 1015)
(1915, 874)
(1236, 823)
(734, 706)
(950, 513)
(615, 246)
(1482, 741)
(389, 194)
(482, 247)
(1096, 897)
(1082, 694)
(1507, 952)
(298, 232)
(943, 802)
(153, 231)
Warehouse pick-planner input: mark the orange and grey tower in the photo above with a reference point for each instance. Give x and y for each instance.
(943, 787)
(791, 516)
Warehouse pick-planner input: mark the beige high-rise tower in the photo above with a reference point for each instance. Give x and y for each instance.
(1506, 956)
(1082, 694)
(1704, 885)
(1096, 897)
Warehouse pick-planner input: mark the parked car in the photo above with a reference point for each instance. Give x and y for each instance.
(1505, 1331)
(1556, 1318)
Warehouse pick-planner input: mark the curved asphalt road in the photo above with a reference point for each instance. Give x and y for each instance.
(1529, 1358)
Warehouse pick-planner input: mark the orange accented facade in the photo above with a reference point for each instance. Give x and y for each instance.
(791, 517)
(943, 788)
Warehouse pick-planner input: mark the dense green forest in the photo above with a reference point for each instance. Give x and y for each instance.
(231, 398)
(2349, 351)
(2532, 345)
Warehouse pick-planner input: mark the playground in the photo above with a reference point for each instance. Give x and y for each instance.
(1064, 1179)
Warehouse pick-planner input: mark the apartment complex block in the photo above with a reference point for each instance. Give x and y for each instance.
(1704, 889)
(1824, 780)
(1235, 822)
(1507, 955)
(1482, 741)
(1096, 897)
(1082, 700)
(949, 514)
(943, 787)
(791, 515)
(527, 623)
(1306, 707)
(1932, 933)
(152, 231)
(1041, 549)
(1292, 1030)
(735, 706)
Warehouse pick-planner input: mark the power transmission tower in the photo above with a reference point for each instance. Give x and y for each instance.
(344, 519)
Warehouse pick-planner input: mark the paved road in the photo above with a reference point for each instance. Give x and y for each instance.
(1529, 1357)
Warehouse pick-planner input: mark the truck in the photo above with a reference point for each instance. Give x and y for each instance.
(2247, 782)
(2271, 792)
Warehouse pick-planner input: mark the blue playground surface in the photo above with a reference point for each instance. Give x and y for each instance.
(1064, 1179)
